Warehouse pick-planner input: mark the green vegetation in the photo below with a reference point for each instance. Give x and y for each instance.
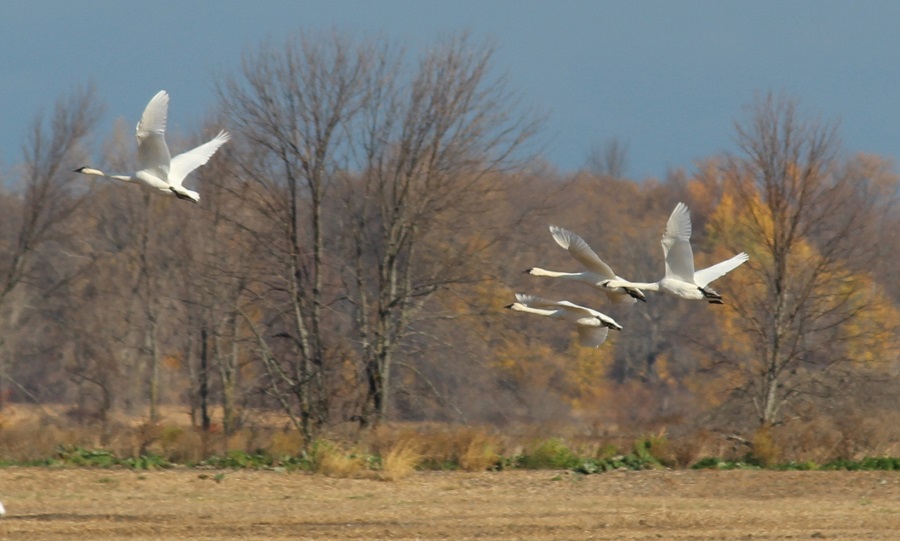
(750, 462)
(334, 459)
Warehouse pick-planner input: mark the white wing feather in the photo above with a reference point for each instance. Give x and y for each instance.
(153, 154)
(186, 162)
(581, 251)
(591, 337)
(704, 276)
(676, 243)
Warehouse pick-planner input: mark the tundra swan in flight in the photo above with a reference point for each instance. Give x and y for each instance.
(155, 167)
(681, 280)
(592, 326)
(598, 272)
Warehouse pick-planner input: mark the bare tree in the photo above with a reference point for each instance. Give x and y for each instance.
(609, 159)
(359, 167)
(44, 197)
(804, 221)
(292, 107)
(221, 268)
(430, 148)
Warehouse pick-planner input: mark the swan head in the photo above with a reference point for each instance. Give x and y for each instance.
(88, 171)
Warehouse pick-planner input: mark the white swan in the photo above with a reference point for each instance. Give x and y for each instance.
(592, 326)
(681, 280)
(598, 272)
(156, 168)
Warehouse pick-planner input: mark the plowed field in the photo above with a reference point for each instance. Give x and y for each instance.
(48, 504)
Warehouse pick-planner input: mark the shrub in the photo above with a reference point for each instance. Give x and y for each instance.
(653, 450)
(550, 454)
(330, 459)
(766, 452)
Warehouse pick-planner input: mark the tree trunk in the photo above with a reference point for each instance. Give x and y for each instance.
(154, 371)
(203, 392)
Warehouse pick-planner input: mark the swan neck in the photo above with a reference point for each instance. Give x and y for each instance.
(99, 173)
(537, 271)
(540, 311)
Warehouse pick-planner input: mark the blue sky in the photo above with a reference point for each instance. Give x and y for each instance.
(667, 78)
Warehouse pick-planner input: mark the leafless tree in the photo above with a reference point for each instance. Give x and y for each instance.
(291, 107)
(43, 197)
(806, 222)
(430, 147)
(609, 159)
(359, 167)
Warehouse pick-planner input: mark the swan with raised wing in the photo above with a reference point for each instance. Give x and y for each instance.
(597, 272)
(681, 280)
(156, 169)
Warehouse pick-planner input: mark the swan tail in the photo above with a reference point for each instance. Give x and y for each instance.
(711, 296)
(635, 294)
(184, 193)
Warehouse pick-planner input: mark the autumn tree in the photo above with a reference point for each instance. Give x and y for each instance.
(803, 217)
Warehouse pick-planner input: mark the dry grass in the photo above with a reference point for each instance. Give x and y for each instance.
(479, 451)
(765, 450)
(546, 505)
(400, 460)
(334, 460)
(28, 433)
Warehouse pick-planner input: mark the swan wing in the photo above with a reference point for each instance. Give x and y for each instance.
(153, 154)
(582, 311)
(591, 337)
(704, 276)
(576, 309)
(581, 251)
(186, 162)
(676, 243)
(533, 301)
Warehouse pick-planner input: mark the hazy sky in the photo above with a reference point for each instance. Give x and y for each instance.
(668, 78)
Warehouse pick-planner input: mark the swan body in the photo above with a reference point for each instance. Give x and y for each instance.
(592, 326)
(681, 280)
(156, 168)
(597, 273)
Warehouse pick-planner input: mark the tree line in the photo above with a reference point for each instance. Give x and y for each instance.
(357, 240)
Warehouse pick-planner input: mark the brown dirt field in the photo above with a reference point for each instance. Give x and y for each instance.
(49, 504)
